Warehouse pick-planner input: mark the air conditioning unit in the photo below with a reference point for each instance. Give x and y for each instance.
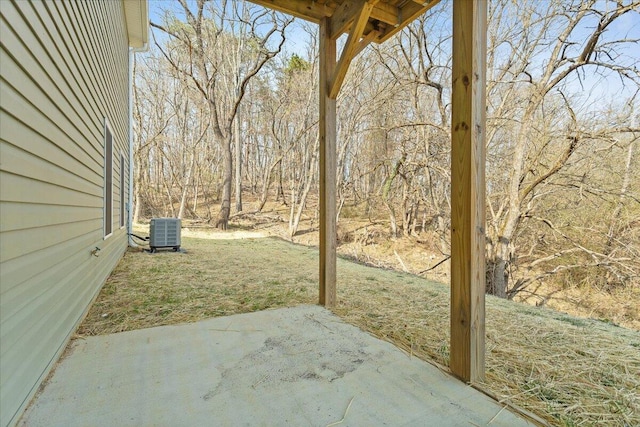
(164, 233)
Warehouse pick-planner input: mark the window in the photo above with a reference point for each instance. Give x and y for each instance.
(108, 180)
(122, 191)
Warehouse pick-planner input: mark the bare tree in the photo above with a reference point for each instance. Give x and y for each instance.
(207, 36)
(532, 67)
(562, 170)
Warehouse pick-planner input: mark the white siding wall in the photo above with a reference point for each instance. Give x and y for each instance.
(64, 69)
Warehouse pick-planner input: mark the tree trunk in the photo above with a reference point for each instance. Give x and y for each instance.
(137, 184)
(386, 194)
(497, 265)
(615, 216)
(185, 187)
(238, 141)
(196, 187)
(504, 231)
(169, 210)
(266, 183)
(393, 223)
(280, 192)
(293, 228)
(222, 220)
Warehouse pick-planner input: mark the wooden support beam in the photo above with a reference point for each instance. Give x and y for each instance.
(385, 17)
(344, 13)
(347, 12)
(385, 12)
(468, 134)
(366, 40)
(348, 52)
(327, 129)
(406, 15)
(308, 10)
(343, 17)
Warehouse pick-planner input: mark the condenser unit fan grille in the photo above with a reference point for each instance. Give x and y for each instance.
(164, 233)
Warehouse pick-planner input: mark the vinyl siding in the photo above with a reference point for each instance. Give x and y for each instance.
(64, 70)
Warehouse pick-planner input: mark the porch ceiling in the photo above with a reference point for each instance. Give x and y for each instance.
(387, 17)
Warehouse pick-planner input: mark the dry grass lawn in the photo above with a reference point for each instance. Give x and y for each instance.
(567, 370)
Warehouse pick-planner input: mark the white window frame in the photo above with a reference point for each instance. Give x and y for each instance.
(107, 195)
(123, 194)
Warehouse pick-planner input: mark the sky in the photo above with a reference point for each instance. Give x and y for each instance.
(592, 87)
(297, 38)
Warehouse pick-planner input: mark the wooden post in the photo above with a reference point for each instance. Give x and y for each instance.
(327, 129)
(468, 189)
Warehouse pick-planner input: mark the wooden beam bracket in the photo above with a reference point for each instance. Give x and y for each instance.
(343, 17)
(366, 41)
(351, 47)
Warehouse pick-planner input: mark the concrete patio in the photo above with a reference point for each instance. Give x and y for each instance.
(300, 366)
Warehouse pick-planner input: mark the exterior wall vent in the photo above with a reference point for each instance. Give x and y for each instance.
(164, 233)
